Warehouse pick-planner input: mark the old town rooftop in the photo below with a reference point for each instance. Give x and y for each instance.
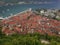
(29, 22)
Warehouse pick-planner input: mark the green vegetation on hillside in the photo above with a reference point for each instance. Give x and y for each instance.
(28, 39)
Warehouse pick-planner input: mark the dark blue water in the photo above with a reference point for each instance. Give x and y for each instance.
(18, 8)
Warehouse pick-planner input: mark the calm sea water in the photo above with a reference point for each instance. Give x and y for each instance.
(14, 9)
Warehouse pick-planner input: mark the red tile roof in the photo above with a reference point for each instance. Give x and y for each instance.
(30, 21)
